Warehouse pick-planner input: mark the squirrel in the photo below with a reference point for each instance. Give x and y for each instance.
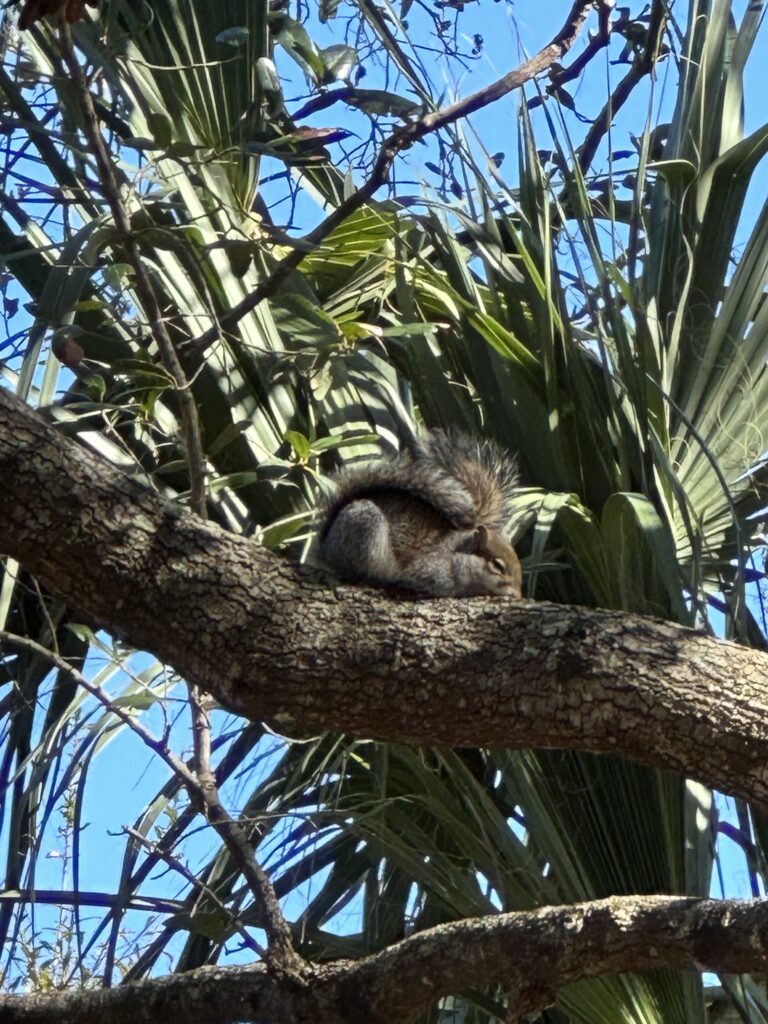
(426, 520)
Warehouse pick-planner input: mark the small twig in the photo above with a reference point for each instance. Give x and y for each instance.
(642, 65)
(108, 180)
(46, 615)
(402, 138)
(280, 954)
(197, 885)
(560, 76)
(239, 845)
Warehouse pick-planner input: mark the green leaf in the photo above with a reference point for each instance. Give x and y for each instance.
(212, 924)
(161, 128)
(298, 44)
(339, 62)
(116, 274)
(379, 102)
(299, 443)
(233, 481)
(324, 444)
(142, 144)
(84, 633)
(269, 82)
(643, 559)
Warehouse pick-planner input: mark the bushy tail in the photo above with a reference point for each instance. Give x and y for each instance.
(486, 471)
(469, 481)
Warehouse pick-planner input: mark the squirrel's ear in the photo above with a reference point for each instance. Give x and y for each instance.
(481, 535)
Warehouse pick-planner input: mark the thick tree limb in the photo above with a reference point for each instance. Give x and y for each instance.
(268, 640)
(531, 954)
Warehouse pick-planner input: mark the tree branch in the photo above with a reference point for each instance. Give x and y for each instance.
(531, 954)
(269, 640)
(203, 793)
(280, 952)
(204, 895)
(144, 288)
(643, 64)
(401, 139)
(559, 76)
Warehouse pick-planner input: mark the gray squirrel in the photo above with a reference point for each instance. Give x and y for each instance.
(426, 520)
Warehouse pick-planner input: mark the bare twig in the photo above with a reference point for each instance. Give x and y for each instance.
(199, 887)
(280, 954)
(402, 138)
(643, 65)
(601, 39)
(189, 418)
(239, 844)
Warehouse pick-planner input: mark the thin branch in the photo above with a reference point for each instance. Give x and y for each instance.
(402, 138)
(643, 64)
(146, 962)
(601, 39)
(89, 898)
(281, 954)
(281, 943)
(199, 889)
(44, 141)
(144, 288)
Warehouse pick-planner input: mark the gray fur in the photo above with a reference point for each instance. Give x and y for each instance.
(425, 520)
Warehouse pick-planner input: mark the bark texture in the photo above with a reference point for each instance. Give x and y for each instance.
(269, 640)
(530, 954)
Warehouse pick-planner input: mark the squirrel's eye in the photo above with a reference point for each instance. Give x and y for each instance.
(499, 566)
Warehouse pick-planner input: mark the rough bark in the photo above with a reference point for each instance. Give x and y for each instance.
(271, 641)
(530, 954)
